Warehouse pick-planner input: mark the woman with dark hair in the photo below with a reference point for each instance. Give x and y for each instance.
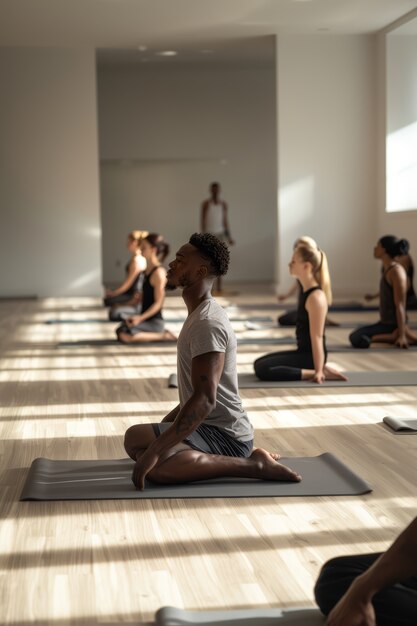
(406, 261)
(392, 326)
(149, 325)
(126, 292)
(309, 266)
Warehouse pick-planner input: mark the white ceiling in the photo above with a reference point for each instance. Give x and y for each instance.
(225, 27)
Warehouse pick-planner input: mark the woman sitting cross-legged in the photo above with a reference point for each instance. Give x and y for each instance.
(392, 326)
(308, 362)
(149, 325)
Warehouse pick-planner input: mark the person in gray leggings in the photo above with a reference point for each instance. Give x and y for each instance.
(372, 589)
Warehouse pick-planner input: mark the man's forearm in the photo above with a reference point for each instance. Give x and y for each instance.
(172, 414)
(188, 418)
(397, 564)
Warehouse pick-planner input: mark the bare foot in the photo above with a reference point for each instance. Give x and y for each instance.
(168, 336)
(331, 373)
(270, 469)
(124, 337)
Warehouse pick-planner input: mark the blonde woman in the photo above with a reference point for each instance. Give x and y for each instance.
(309, 266)
(289, 318)
(126, 292)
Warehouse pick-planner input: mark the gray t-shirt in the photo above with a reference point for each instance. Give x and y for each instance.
(208, 329)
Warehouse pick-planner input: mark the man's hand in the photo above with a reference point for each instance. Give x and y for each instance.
(352, 611)
(142, 467)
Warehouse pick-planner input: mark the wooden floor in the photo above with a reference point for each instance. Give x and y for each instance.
(111, 562)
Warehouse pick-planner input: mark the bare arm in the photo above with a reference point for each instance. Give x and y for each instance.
(399, 285)
(397, 564)
(316, 306)
(206, 370)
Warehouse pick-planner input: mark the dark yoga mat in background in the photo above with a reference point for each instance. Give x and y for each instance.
(323, 475)
(171, 616)
(356, 379)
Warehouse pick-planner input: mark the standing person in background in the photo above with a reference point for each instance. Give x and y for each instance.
(127, 290)
(214, 220)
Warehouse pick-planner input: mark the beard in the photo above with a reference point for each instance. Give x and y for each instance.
(170, 286)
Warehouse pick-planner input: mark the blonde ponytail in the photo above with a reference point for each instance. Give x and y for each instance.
(318, 261)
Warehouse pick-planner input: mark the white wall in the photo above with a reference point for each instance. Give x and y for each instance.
(165, 134)
(327, 153)
(49, 190)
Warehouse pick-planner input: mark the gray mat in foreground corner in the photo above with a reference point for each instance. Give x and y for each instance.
(323, 475)
(355, 379)
(170, 616)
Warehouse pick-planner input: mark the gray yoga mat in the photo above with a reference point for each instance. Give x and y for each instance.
(356, 379)
(92, 343)
(269, 341)
(343, 307)
(173, 381)
(173, 320)
(375, 348)
(323, 475)
(290, 340)
(171, 616)
(401, 425)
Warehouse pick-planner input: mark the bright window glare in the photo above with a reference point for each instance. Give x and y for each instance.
(402, 169)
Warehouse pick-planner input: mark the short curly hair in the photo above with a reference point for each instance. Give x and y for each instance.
(211, 248)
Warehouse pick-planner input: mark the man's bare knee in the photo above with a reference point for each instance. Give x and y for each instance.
(138, 437)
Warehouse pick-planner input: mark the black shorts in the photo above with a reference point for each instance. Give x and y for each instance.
(212, 440)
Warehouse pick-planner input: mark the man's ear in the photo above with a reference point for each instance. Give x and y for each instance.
(203, 271)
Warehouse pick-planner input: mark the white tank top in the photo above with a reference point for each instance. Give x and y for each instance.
(214, 218)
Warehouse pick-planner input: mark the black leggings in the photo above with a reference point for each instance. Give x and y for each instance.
(394, 606)
(362, 337)
(285, 365)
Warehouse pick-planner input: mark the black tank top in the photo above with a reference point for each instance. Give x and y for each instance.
(148, 297)
(387, 310)
(302, 327)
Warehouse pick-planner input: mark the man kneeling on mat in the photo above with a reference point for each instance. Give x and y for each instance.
(208, 435)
